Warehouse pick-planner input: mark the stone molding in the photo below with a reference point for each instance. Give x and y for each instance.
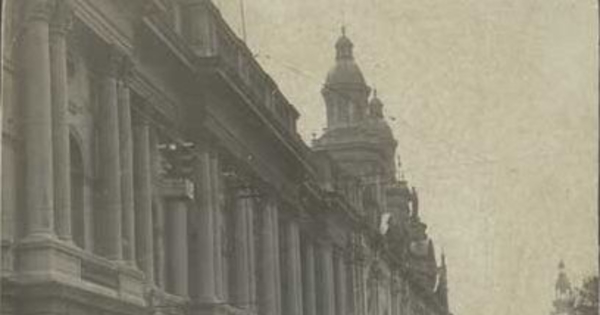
(61, 18)
(38, 10)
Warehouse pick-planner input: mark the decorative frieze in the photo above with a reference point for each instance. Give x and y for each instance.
(38, 10)
(61, 18)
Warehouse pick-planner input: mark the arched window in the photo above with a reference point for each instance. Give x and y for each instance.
(77, 191)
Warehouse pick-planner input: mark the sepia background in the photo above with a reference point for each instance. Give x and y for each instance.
(494, 105)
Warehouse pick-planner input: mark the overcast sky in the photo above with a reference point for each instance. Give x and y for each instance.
(495, 107)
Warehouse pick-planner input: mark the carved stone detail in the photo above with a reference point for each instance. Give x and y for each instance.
(61, 18)
(38, 10)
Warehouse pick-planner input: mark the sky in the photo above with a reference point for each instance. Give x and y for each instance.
(494, 105)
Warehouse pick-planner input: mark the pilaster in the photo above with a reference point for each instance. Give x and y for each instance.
(126, 161)
(143, 199)
(110, 238)
(59, 27)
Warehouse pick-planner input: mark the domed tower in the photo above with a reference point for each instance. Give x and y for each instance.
(563, 299)
(357, 136)
(345, 91)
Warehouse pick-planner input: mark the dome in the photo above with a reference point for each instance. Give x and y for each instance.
(344, 47)
(345, 71)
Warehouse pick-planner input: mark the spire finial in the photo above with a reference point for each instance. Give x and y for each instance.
(374, 92)
(343, 29)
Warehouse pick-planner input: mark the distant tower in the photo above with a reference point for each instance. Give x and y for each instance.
(357, 136)
(441, 289)
(345, 91)
(563, 298)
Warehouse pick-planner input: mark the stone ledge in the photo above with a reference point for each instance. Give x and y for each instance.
(45, 259)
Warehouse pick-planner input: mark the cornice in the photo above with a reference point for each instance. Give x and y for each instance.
(172, 40)
(89, 14)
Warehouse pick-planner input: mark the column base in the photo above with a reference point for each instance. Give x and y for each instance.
(218, 308)
(131, 283)
(165, 303)
(43, 257)
(42, 260)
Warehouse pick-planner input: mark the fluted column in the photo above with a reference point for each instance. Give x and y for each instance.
(143, 199)
(308, 276)
(178, 246)
(60, 128)
(252, 296)
(293, 269)
(242, 289)
(205, 241)
(216, 201)
(267, 294)
(35, 71)
(158, 210)
(160, 262)
(340, 284)
(327, 305)
(277, 268)
(126, 159)
(111, 236)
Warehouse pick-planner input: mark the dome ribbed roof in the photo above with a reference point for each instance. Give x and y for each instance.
(345, 71)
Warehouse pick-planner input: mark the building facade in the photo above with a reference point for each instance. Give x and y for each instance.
(151, 166)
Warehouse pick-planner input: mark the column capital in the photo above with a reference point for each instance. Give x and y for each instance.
(140, 121)
(38, 10)
(61, 18)
(113, 61)
(125, 69)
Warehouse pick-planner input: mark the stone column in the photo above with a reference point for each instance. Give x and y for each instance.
(158, 211)
(252, 297)
(216, 201)
(293, 269)
(350, 287)
(143, 199)
(327, 305)
(277, 268)
(308, 278)
(340, 284)
(267, 295)
(178, 246)
(110, 161)
(60, 128)
(205, 242)
(241, 290)
(160, 262)
(126, 160)
(37, 96)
